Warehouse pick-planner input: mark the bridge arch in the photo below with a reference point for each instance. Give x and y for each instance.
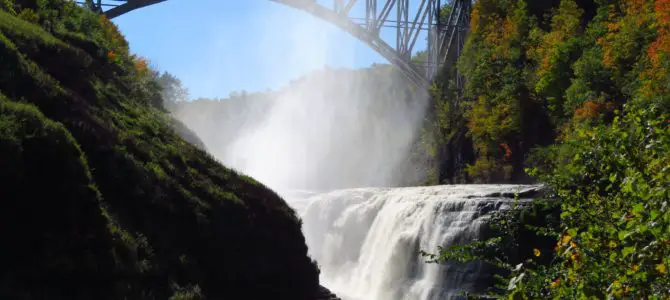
(443, 39)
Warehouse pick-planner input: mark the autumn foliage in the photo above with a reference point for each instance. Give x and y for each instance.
(661, 46)
(592, 109)
(534, 74)
(594, 77)
(141, 65)
(113, 36)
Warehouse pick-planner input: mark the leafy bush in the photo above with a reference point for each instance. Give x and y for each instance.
(29, 15)
(613, 184)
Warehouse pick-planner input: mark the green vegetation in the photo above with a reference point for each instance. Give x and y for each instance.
(107, 197)
(573, 94)
(101, 197)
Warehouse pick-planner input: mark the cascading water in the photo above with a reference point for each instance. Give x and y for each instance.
(367, 240)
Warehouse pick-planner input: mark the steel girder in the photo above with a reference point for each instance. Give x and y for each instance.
(452, 36)
(444, 40)
(128, 6)
(368, 32)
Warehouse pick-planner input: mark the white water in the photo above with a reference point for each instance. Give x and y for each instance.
(334, 130)
(367, 240)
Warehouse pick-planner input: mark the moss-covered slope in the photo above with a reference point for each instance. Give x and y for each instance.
(101, 199)
(51, 220)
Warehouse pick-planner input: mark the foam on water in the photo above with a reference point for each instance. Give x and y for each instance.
(367, 240)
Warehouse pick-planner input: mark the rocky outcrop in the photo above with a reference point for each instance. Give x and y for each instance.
(325, 294)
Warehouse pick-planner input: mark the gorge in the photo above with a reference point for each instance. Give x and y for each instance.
(334, 147)
(336, 181)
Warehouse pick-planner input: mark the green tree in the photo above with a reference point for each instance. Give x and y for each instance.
(172, 91)
(603, 79)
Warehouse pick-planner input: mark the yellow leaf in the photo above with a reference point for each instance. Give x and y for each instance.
(635, 267)
(565, 239)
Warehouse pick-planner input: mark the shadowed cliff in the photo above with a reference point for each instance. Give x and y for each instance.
(101, 197)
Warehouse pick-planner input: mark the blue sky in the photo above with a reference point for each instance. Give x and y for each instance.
(219, 46)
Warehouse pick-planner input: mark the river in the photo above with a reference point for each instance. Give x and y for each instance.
(367, 240)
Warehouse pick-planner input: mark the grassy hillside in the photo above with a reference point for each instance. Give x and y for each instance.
(101, 199)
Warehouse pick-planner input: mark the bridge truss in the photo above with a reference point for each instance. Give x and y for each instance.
(445, 33)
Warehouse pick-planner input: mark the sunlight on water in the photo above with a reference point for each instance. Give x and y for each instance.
(367, 240)
(335, 130)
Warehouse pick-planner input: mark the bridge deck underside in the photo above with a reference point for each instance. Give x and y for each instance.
(445, 33)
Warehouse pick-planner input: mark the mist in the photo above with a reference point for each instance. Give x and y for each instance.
(329, 129)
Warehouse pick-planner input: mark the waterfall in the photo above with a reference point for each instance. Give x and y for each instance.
(367, 240)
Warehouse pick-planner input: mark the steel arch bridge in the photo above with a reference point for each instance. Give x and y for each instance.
(446, 34)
